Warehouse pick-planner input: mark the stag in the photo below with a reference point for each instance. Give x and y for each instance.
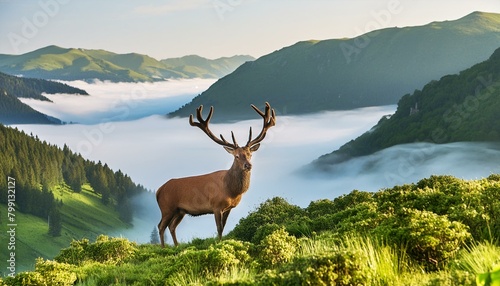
(214, 193)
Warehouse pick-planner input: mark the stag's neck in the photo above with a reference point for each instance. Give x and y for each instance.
(237, 181)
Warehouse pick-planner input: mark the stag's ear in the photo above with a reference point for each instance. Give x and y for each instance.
(255, 147)
(229, 150)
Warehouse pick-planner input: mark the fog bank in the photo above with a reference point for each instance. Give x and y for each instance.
(154, 149)
(109, 101)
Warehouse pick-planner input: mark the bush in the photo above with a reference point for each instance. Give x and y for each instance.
(276, 210)
(277, 248)
(104, 250)
(215, 260)
(429, 238)
(46, 273)
(340, 268)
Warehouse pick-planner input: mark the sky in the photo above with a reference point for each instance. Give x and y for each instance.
(209, 28)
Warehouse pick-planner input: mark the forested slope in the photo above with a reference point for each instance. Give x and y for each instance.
(13, 111)
(38, 166)
(458, 107)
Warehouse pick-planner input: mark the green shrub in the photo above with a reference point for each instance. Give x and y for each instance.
(214, 261)
(450, 278)
(46, 273)
(276, 210)
(277, 248)
(26, 278)
(263, 231)
(339, 268)
(324, 207)
(104, 250)
(429, 238)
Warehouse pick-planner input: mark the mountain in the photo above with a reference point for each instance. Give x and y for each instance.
(54, 62)
(44, 182)
(459, 107)
(13, 111)
(196, 66)
(373, 69)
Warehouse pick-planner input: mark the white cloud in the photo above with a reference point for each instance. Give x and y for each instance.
(120, 101)
(154, 149)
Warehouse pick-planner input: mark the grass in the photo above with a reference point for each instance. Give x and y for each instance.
(478, 257)
(83, 216)
(386, 265)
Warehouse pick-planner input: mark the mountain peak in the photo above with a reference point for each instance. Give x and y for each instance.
(52, 49)
(484, 20)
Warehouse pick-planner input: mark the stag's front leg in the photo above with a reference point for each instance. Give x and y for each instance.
(224, 218)
(219, 223)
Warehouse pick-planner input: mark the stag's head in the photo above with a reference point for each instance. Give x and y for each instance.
(242, 155)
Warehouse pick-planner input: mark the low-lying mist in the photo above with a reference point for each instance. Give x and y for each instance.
(154, 149)
(108, 101)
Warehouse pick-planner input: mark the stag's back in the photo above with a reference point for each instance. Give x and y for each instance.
(194, 195)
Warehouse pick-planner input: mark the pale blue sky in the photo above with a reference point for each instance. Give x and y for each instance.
(210, 28)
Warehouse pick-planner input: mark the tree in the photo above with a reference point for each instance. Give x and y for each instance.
(155, 237)
(55, 222)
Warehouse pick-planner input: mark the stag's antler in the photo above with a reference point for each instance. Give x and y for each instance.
(269, 121)
(269, 117)
(203, 125)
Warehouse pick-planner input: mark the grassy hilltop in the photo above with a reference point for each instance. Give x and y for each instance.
(438, 231)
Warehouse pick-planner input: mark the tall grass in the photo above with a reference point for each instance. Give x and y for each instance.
(478, 257)
(391, 265)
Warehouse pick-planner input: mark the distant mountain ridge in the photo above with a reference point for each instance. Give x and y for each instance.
(458, 108)
(376, 68)
(13, 111)
(53, 62)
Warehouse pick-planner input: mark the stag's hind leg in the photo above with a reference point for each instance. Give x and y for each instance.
(164, 222)
(177, 218)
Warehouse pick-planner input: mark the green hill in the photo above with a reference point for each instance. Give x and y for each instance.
(83, 215)
(373, 69)
(13, 111)
(438, 231)
(460, 107)
(42, 183)
(54, 62)
(196, 66)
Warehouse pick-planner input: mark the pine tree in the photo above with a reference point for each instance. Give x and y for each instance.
(55, 222)
(155, 237)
